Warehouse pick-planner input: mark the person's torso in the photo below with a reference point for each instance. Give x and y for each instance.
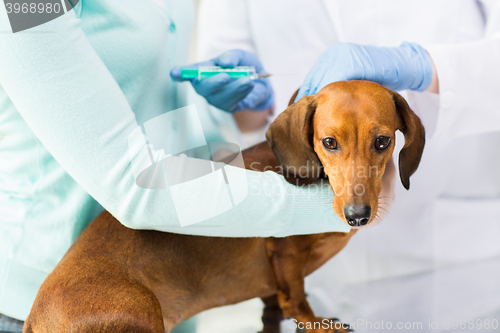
(42, 209)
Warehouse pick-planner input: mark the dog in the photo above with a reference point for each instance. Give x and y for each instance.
(115, 279)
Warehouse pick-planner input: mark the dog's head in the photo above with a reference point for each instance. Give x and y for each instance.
(347, 132)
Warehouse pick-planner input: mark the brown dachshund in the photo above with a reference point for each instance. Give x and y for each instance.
(115, 279)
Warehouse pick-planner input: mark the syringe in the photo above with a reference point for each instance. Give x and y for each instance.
(203, 72)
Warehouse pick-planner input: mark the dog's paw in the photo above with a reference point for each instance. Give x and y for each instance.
(339, 327)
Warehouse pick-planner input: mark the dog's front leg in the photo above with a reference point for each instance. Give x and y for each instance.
(288, 257)
(272, 315)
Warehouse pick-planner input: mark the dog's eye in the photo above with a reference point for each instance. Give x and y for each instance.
(330, 143)
(382, 142)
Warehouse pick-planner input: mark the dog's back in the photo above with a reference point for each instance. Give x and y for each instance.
(115, 278)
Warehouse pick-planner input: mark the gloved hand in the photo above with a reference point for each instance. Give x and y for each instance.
(232, 95)
(407, 66)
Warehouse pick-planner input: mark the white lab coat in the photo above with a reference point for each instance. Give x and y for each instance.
(451, 214)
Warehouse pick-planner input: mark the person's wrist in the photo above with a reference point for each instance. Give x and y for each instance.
(421, 65)
(434, 86)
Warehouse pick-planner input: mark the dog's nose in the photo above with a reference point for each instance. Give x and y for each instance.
(357, 215)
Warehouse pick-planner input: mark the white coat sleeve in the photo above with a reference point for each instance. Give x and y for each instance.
(469, 82)
(222, 25)
(74, 106)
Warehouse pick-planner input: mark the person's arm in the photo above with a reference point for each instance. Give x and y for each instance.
(77, 110)
(224, 25)
(466, 76)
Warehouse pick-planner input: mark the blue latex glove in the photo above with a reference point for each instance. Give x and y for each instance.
(232, 95)
(397, 68)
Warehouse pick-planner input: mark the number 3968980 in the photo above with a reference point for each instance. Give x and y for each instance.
(33, 8)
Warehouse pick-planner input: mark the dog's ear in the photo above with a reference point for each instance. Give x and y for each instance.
(290, 137)
(413, 130)
(294, 96)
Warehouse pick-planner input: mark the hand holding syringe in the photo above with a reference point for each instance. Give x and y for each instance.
(234, 81)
